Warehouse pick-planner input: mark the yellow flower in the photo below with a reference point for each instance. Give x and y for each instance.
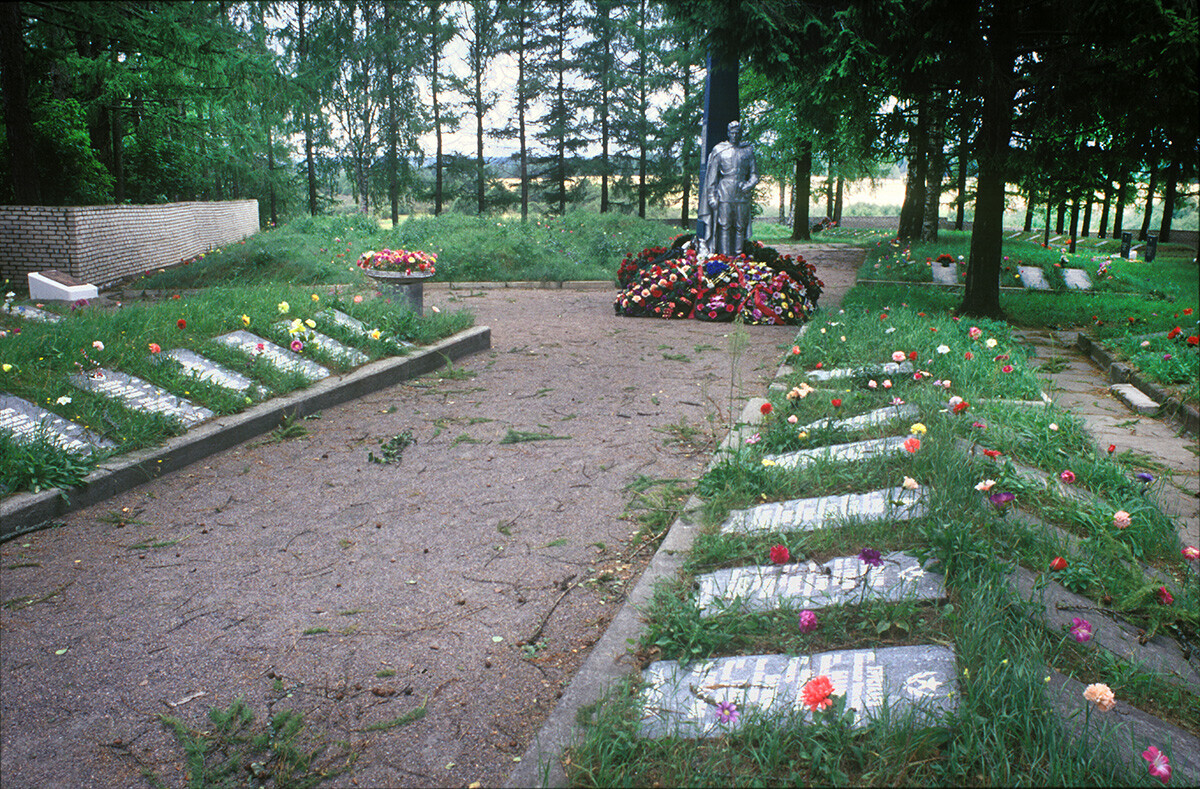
(316, 298)
(310, 323)
(284, 307)
(802, 435)
(245, 320)
(768, 462)
(918, 429)
(6, 367)
(375, 335)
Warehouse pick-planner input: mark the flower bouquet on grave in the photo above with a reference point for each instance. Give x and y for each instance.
(400, 261)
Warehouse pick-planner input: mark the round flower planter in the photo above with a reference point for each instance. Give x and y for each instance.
(402, 284)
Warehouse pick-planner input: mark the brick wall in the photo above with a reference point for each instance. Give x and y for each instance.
(101, 244)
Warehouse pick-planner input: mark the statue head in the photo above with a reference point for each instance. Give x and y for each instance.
(735, 132)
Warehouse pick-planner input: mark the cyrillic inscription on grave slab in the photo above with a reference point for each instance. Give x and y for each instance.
(888, 368)
(1033, 278)
(140, 395)
(33, 314)
(353, 324)
(328, 344)
(858, 450)
(808, 514)
(880, 416)
(208, 370)
(846, 579)
(252, 345)
(1077, 279)
(683, 702)
(27, 421)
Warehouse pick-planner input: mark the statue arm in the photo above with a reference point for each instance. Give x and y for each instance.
(751, 176)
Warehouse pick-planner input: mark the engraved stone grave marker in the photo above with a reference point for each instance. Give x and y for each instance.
(1077, 279)
(1033, 278)
(33, 314)
(252, 345)
(809, 514)
(846, 579)
(945, 275)
(880, 416)
(207, 370)
(354, 324)
(140, 395)
(889, 368)
(26, 421)
(682, 701)
(858, 450)
(333, 347)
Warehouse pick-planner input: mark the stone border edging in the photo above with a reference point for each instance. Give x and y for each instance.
(1119, 373)
(25, 512)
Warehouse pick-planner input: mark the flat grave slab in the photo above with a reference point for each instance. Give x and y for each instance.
(683, 701)
(1033, 278)
(329, 345)
(810, 514)
(26, 421)
(253, 345)
(888, 368)
(1077, 279)
(880, 416)
(353, 324)
(33, 314)
(55, 285)
(207, 370)
(840, 581)
(140, 395)
(858, 450)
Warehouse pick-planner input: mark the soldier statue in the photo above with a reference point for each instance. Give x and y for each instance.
(729, 182)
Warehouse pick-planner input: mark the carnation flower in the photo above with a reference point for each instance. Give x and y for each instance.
(1067, 476)
(1001, 500)
(1121, 519)
(898, 356)
(910, 484)
(985, 486)
(1101, 695)
(766, 408)
(1157, 763)
(779, 554)
(1191, 553)
(154, 347)
(1164, 596)
(1058, 563)
(1081, 630)
(912, 444)
(870, 557)
(816, 693)
(991, 343)
(887, 384)
(808, 621)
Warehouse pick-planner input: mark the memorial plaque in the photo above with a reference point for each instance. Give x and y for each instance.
(1077, 279)
(840, 581)
(858, 450)
(207, 370)
(895, 504)
(889, 368)
(682, 702)
(331, 346)
(140, 395)
(27, 421)
(252, 345)
(945, 275)
(880, 416)
(33, 314)
(1033, 278)
(355, 325)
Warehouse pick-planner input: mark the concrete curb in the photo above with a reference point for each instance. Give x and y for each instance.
(1120, 373)
(26, 512)
(610, 659)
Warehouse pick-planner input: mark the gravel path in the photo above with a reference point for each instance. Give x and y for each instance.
(386, 602)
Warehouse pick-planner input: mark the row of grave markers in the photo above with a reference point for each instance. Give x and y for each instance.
(27, 421)
(1032, 277)
(682, 700)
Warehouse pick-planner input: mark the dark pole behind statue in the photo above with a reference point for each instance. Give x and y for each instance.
(720, 107)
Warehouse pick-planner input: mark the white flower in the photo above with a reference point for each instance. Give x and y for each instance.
(64, 400)
(954, 401)
(991, 343)
(943, 349)
(889, 331)
(910, 484)
(1054, 426)
(986, 485)
(99, 346)
(1145, 343)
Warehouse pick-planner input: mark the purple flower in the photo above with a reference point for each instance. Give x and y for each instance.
(1081, 630)
(871, 557)
(727, 712)
(1001, 500)
(808, 621)
(1144, 477)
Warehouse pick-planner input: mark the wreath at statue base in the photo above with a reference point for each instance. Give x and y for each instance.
(760, 285)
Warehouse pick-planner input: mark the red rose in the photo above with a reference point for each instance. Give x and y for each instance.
(1112, 448)
(779, 554)
(181, 323)
(1059, 563)
(820, 365)
(912, 355)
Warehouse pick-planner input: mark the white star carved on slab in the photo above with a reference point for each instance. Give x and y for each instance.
(924, 683)
(913, 573)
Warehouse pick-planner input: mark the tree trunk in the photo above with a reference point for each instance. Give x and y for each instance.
(829, 189)
(961, 184)
(837, 201)
(393, 130)
(605, 207)
(800, 192)
(1074, 221)
(644, 110)
(1060, 223)
(118, 154)
(1087, 214)
(271, 176)
(309, 164)
(436, 51)
(913, 210)
(1119, 219)
(522, 105)
(1172, 175)
(18, 120)
(686, 152)
(1102, 230)
(1148, 213)
(982, 293)
(935, 167)
(1030, 202)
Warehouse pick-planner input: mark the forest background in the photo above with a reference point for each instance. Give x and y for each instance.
(502, 107)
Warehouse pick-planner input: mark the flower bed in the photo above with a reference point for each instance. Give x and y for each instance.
(762, 288)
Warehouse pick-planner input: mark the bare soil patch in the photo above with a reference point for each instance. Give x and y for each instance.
(394, 604)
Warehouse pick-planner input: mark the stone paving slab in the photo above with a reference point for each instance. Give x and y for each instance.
(859, 450)
(896, 504)
(26, 421)
(840, 581)
(34, 314)
(208, 370)
(1033, 277)
(888, 368)
(682, 701)
(331, 346)
(1077, 279)
(253, 345)
(880, 416)
(1135, 399)
(140, 395)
